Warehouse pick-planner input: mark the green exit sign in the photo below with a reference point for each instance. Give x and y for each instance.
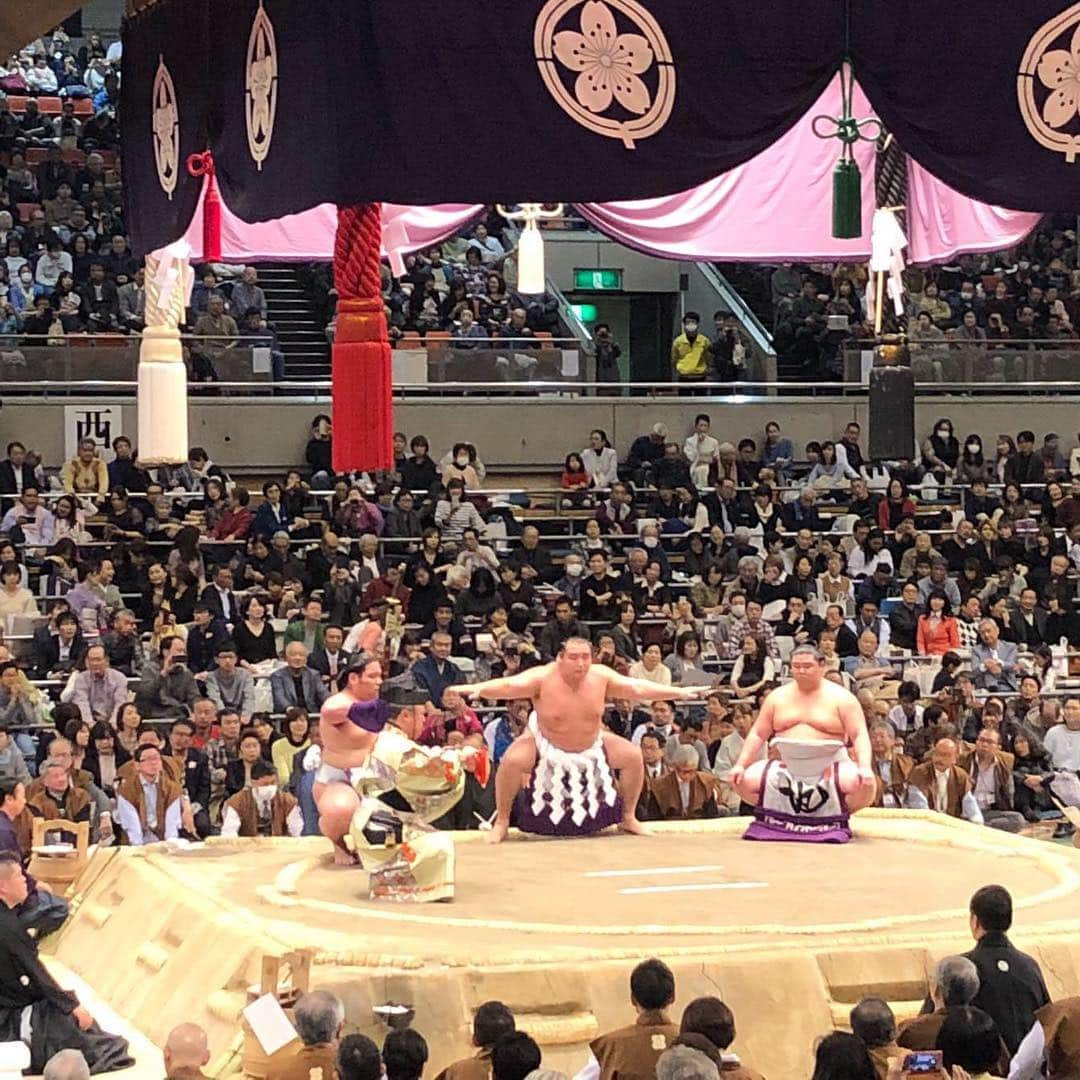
(585, 312)
(598, 280)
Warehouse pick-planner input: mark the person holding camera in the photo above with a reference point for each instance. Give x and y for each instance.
(607, 354)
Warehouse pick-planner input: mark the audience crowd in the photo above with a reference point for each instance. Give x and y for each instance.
(168, 617)
(987, 310)
(987, 1016)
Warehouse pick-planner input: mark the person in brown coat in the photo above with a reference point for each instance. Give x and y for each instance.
(686, 792)
(148, 804)
(1060, 1025)
(955, 982)
(711, 1018)
(940, 784)
(318, 1017)
(631, 1053)
(171, 766)
(58, 798)
(262, 810)
(873, 1022)
(892, 769)
(491, 1022)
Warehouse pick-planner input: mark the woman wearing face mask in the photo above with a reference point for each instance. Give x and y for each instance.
(461, 464)
(941, 451)
(23, 290)
(972, 465)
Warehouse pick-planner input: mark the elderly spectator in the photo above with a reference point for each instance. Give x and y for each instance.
(297, 685)
(940, 784)
(99, 690)
(215, 334)
(993, 661)
(246, 294)
(86, 473)
(992, 781)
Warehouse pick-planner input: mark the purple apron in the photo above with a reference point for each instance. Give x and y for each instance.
(805, 811)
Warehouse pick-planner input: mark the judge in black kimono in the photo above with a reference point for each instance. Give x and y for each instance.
(33, 1008)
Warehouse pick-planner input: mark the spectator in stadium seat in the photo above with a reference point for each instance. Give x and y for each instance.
(600, 460)
(132, 302)
(100, 302)
(1062, 741)
(258, 335)
(204, 289)
(54, 171)
(296, 684)
(937, 630)
(940, 784)
(418, 473)
(616, 513)
(467, 332)
(1025, 466)
(454, 513)
(635, 1050)
(41, 79)
(246, 294)
(938, 579)
(216, 333)
(993, 661)
(598, 591)
(555, 633)
(86, 473)
(52, 264)
(100, 690)
(21, 182)
(37, 235)
(992, 781)
(60, 208)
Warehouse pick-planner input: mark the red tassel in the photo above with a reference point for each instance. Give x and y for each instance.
(363, 402)
(203, 165)
(212, 221)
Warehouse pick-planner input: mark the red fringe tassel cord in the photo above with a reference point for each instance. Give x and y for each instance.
(363, 401)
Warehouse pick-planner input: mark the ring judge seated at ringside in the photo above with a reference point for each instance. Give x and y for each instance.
(811, 791)
(33, 1008)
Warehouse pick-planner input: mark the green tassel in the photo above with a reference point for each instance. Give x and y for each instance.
(847, 200)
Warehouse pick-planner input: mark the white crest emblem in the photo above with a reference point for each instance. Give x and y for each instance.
(1048, 85)
(261, 83)
(165, 121)
(608, 96)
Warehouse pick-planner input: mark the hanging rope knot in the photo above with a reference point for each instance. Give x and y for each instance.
(846, 127)
(201, 164)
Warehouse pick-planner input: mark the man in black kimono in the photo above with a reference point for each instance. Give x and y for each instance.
(33, 1008)
(1011, 986)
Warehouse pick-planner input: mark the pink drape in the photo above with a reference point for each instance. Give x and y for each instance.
(778, 206)
(309, 237)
